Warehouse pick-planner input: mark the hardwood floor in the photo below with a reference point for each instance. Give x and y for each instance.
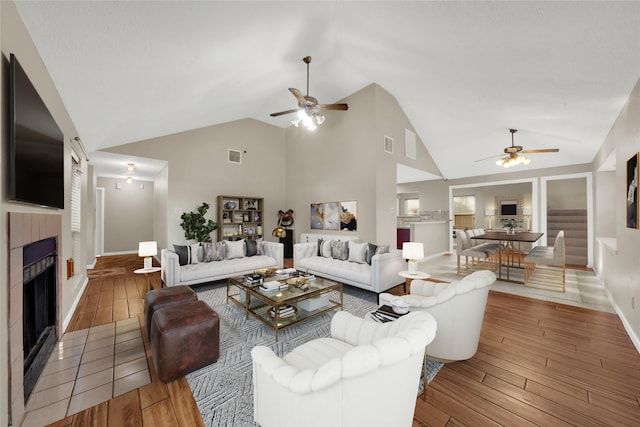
(538, 363)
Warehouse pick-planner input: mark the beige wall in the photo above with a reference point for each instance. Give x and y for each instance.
(128, 214)
(567, 194)
(198, 171)
(15, 39)
(619, 267)
(345, 160)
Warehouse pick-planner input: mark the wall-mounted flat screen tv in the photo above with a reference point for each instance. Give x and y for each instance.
(508, 208)
(36, 145)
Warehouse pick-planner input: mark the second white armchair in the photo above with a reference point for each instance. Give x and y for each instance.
(458, 308)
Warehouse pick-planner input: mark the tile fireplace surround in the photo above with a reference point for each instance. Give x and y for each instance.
(25, 228)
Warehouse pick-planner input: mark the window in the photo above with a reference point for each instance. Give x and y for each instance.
(412, 206)
(464, 209)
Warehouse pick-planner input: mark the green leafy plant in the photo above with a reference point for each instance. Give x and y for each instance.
(510, 223)
(196, 226)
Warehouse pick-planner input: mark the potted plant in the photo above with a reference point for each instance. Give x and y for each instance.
(196, 226)
(510, 224)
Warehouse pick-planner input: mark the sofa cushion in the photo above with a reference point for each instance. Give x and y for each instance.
(371, 251)
(234, 249)
(225, 268)
(340, 250)
(325, 250)
(358, 252)
(360, 273)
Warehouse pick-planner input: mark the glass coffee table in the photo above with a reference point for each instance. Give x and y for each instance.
(302, 300)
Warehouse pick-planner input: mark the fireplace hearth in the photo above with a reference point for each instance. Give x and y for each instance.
(39, 308)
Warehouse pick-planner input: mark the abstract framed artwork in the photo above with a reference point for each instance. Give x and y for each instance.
(349, 216)
(331, 218)
(317, 216)
(632, 191)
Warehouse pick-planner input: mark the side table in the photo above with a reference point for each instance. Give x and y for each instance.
(409, 277)
(146, 272)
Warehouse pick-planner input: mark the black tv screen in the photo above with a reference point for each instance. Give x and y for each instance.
(508, 209)
(36, 145)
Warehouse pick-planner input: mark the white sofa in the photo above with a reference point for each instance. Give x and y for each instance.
(458, 307)
(191, 274)
(379, 276)
(365, 374)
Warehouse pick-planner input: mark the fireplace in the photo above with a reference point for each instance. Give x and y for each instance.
(39, 292)
(26, 263)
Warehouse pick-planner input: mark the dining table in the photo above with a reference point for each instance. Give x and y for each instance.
(509, 252)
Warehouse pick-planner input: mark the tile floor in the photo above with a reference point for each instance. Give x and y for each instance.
(88, 367)
(583, 288)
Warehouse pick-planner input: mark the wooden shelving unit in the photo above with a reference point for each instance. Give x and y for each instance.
(240, 217)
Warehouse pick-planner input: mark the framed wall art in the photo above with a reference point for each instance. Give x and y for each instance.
(349, 216)
(632, 192)
(331, 217)
(317, 216)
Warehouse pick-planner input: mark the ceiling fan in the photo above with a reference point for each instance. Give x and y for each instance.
(513, 153)
(308, 108)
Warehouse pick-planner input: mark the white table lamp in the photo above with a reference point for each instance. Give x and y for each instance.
(412, 251)
(147, 250)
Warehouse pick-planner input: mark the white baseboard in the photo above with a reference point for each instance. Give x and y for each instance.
(627, 326)
(120, 253)
(76, 301)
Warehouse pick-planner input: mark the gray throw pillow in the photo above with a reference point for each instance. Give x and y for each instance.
(213, 251)
(234, 249)
(358, 252)
(371, 251)
(184, 254)
(340, 250)
(252, 247)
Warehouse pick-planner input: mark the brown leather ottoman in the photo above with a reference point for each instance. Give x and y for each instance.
(164, 297)
(184, 337)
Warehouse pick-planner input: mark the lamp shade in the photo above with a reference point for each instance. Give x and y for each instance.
(147, 248)
(412, 250)
(489, 212)
(526, 211)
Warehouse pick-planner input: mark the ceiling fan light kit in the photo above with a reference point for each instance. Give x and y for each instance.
(308, 112)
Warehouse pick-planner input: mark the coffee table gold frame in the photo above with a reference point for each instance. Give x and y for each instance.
(259, 304)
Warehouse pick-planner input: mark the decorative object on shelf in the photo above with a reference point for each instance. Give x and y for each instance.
(412, 251)
(147, 250)
(196, 226)
(230, 205)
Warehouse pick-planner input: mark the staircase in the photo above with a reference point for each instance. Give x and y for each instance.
(574, 224)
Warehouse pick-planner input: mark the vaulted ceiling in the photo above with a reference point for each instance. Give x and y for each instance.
(464, 72)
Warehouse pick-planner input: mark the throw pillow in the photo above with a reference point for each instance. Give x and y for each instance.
(184, 254)
(196, 253)
(252, 247)
(340, 250)
(212, 251)
(234, 249)
(326, 249)
(320, 241)
(371, 251)
(382, 249)
(260, 250)
(358, 252)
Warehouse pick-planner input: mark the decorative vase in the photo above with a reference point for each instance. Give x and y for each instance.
(230, 205)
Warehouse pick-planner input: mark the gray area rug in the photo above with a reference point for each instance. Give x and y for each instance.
(223, 390)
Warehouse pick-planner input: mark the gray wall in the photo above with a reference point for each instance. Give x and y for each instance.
(198, 171)
(15, 39)
(128, 214)
(567, 194)
(618, 267)
(345, 160)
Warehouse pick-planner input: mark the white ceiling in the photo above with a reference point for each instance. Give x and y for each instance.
(464, 72)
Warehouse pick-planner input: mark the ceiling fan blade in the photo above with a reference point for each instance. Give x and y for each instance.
(334, 106)
(299, 96)
(542, 150)
(282, 113)
(491, 157)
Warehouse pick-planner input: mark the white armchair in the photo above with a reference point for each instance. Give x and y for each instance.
(458, 308)
(365, 374)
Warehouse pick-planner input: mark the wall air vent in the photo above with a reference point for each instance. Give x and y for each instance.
(234, 156)
(388, 144)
